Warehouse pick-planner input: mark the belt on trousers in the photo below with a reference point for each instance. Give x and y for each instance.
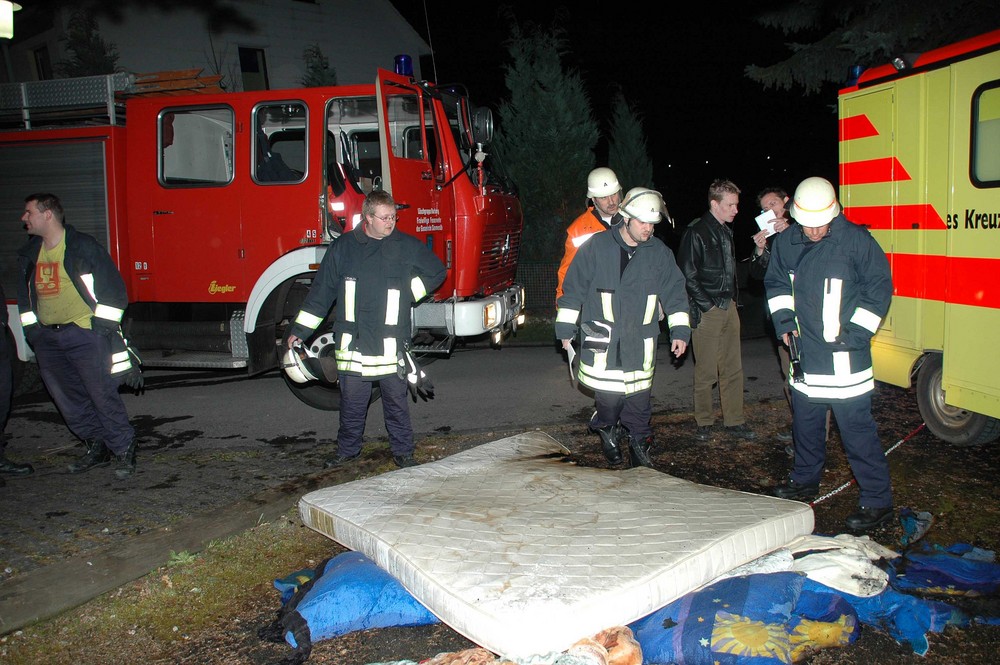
(57, 326)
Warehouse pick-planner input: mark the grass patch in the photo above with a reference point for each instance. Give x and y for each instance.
(148, 618)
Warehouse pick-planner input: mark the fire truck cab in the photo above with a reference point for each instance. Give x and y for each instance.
(920, 167)
(219, 207)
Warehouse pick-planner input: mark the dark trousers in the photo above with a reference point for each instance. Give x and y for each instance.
(355, 396)
(6, 384)
(861, 443)
(75, 365)
(634, 411)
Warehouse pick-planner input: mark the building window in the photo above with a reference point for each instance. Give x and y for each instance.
(254, 69)
(43, 64)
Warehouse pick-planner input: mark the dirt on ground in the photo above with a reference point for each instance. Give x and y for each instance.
(957, 485)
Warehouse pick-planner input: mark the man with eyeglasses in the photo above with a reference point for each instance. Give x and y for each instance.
(374, 274)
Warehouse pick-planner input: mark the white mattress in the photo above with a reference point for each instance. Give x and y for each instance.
(525, 553)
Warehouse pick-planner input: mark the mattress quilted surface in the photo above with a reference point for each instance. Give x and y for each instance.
(524, 552)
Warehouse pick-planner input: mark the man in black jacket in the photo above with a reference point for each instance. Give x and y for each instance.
(71, 299)
(708, 260)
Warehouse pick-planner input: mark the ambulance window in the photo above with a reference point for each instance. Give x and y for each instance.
(985, 165)
(279, 140)
(196, 147)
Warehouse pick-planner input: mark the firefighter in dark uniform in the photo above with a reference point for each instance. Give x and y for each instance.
(71, 299)
(828, 285)
(374, 274)
(612, 296)
(6, 392)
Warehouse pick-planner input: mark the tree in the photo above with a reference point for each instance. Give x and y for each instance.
(864, 32)
(89, 53)
(546, 135)
(318, 69)
(628, 153)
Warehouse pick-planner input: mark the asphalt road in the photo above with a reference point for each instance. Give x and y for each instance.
(216, 443)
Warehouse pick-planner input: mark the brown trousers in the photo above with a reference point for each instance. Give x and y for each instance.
(718, 358)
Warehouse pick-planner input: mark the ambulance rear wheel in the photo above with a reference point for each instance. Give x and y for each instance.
(957, 426)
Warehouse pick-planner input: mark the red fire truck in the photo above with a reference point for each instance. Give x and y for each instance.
(218, 207)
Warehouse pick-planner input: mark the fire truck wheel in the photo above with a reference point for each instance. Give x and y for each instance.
(321, 396)
(951, 424)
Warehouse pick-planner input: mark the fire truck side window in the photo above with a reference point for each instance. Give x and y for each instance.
(280, 142)
(196, 147)
(404, 121)
(986, 136)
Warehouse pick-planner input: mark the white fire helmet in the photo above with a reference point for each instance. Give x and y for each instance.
(304, 363)
(815, 202)
(643, 204)
(602, 182)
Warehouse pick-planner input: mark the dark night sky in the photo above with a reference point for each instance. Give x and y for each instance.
(684, 74)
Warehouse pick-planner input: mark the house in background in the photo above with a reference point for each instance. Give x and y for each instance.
(356, 36)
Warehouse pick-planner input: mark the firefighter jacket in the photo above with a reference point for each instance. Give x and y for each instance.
(611, 303)
(96, 279)
(374, 284)
(578, 233)
(708, 260)
(835, 292)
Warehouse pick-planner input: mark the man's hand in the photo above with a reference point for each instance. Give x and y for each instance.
(294, 341)
(565, 343)
(780, 224)
(760, 239)
(678, 347)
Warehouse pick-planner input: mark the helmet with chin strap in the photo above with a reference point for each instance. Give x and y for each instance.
(643, 204)
(815, 202)
(313, 362)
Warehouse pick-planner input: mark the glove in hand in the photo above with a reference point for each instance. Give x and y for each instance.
(418, 383)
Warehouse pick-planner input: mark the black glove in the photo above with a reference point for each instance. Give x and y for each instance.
(126, 365)
(417, 381)
(854, 336)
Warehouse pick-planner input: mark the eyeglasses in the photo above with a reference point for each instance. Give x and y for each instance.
(387, 219)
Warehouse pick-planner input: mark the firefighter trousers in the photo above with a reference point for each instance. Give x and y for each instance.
(75, 365)
(356, 395)
(861, 444)
(633, 411)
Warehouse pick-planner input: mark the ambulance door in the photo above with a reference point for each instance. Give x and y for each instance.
(971, 366)
(412, 160)
(195, 208)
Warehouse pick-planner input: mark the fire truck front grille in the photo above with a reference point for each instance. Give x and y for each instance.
(498, 262)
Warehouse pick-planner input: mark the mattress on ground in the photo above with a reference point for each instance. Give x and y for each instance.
(524, 552)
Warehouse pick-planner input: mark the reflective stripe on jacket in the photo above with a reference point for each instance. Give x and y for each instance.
(835, 292)
(599, 296)
(372, 286)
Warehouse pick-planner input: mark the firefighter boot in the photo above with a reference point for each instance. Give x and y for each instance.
(611, 436)
(125, 462)
(639, 450)
(97, 455)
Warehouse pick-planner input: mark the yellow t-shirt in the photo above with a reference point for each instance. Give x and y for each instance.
(58, 299)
